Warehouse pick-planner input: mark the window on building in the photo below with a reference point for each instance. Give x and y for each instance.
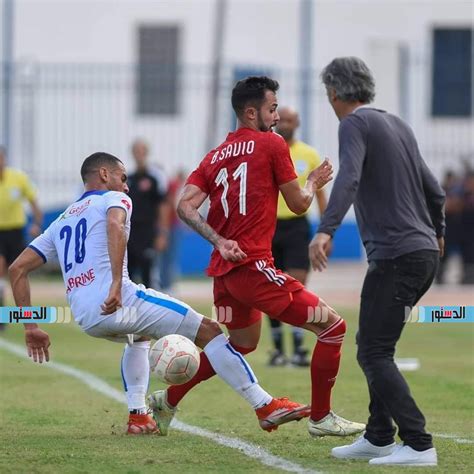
(452, 72)
(158, 81)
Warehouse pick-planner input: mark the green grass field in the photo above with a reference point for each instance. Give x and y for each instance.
(52, 423)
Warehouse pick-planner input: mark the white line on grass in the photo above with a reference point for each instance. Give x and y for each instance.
(455, 438)
(95, 383)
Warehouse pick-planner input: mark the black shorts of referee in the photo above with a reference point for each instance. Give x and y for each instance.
(290, 243)
(12, 243)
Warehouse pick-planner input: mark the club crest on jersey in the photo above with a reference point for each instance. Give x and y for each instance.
(233, 150)
(77, 210)
(84, 279)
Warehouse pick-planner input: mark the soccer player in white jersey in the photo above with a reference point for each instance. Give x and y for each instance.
(90, 240)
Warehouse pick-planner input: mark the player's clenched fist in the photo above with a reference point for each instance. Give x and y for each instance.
(114, 299)
(230, 250)
(321, 175)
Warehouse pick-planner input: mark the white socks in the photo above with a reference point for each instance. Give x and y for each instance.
(136, 374)
(231, 367)
(228, 364)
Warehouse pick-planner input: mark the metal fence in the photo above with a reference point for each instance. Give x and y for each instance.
(60, 113)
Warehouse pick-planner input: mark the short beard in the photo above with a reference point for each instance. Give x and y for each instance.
(260, 124)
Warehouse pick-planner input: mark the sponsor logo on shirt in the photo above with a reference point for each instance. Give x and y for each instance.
(84, 279)
(126, 203)
(78, 210)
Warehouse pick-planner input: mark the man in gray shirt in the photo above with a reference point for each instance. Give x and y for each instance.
(399, 207)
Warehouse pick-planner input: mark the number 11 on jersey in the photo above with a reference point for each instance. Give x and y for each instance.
(222, 178)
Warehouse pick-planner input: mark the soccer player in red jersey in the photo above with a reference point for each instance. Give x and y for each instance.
(242, 177)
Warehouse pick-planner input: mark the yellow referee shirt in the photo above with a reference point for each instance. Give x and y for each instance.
(305, 159)
(15, 187)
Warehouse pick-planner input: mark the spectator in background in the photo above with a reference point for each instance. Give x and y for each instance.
(452, 186)
(167, 260)
(467, 228)
(293, 234)
(150, 221)
(15, 188)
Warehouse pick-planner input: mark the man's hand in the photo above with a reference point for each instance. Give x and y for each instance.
(441, 246)
(230, 250)
(37, 343)
(318, 251)
(321, 175)
(114, 300)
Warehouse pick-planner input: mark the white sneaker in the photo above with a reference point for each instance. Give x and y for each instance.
(163, 414)
(362, 448)
(407, 456)
(334, 425)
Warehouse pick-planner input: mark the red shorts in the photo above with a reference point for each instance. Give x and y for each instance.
(241, 295)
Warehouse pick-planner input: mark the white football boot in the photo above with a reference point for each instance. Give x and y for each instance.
(163, 413)
(334, 425)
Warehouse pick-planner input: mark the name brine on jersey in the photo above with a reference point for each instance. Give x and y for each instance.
(233, 150)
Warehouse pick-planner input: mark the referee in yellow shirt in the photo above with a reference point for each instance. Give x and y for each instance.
(15, 188)
(293, 234)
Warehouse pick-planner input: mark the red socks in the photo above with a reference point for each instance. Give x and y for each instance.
(176, 393)
(324, 368)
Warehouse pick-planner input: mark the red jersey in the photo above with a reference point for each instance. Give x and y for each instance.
(241, 177)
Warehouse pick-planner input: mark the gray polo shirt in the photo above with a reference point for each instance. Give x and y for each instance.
(399, 204)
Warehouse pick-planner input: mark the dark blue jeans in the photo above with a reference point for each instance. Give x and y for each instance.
(389, 286)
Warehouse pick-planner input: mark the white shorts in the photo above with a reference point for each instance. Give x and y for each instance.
(147, 312)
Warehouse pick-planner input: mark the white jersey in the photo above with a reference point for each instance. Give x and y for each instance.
(79, 239)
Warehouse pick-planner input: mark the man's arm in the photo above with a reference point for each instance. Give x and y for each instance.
(299, 199)
(35, 228)
(37, 341)
(117, 244)
(191, 200)
(352, 150)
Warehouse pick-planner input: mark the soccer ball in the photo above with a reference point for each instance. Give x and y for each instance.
(174, 359)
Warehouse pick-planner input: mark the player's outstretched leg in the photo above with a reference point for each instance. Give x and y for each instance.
(330, 329)
(229, 365)
(164, 402)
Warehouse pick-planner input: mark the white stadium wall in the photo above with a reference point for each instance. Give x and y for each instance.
(76, 90)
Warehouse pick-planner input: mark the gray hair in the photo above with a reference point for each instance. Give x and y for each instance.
(350, 78)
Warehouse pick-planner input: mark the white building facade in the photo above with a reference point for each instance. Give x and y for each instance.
(76, 86)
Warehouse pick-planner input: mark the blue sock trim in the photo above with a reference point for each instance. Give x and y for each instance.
(121, 371)
(243, 362)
